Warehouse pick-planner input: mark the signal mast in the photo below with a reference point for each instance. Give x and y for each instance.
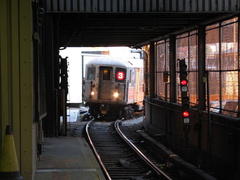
(185, 98)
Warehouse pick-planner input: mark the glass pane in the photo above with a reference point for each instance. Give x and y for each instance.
(167, 56)
(182, 48)
(185, 35)
(230, 108)
(229, 47)
(168, 65)
(193, 63)
(161, 57)
(229, 21)
(160, 85)
(212, 49)
(179, 97)
(229, 85)
(182, 53)
(106, 74)
(192, 68)
(162, 66)
(194, 32)
(230, 93)
(193, 87)
(214, 90)
(212, 26)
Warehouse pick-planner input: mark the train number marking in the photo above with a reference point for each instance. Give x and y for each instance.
(120, 75)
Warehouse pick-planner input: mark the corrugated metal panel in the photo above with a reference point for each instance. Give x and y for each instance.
(139, 6)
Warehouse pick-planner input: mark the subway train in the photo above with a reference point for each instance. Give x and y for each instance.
(113, 87)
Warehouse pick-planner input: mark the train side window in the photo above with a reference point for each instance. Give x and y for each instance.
(130, 76)
(133, 76)
(91, 73)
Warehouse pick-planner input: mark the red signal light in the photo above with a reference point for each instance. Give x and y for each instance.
(185, 114)
(184, 82)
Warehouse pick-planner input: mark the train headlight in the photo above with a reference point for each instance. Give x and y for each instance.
(92, 93)
(116, 95)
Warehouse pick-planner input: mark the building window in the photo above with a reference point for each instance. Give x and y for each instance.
(222, 66)
(162, 70)
(187, 49)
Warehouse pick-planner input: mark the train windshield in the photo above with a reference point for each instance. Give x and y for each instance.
(106, 74)
(91, 73)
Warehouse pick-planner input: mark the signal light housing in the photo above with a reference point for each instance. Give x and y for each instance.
(184, 89)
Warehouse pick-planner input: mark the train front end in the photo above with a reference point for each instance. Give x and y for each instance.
(104, 88)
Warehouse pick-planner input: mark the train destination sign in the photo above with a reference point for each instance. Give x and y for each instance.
(120, 74)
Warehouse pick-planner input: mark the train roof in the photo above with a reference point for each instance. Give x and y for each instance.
(136, 62)
(110, 60)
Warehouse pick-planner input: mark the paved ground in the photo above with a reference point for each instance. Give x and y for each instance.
(70, 157)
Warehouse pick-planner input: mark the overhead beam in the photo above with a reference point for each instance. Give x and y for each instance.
(140, 6)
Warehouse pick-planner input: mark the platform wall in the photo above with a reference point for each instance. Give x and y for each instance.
(214, 140)
(16, 80)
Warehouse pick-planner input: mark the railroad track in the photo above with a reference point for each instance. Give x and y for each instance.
(119, 157)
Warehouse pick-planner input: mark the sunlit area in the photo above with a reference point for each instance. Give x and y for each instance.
(77, 58)
(221, 74)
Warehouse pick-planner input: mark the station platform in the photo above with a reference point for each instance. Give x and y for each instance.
(68, 158)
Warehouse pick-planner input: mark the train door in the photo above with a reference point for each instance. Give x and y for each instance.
(105, 83)
(120, 79)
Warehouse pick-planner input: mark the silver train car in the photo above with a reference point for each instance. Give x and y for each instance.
(113, 87)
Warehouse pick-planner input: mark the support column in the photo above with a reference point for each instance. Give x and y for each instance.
(152, 77)
(201, 68)
(49, 121)
(172, 61)
(152, 69)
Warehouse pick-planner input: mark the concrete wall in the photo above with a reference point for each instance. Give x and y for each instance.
(16, 79)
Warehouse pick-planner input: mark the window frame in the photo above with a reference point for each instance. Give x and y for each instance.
(219, 106)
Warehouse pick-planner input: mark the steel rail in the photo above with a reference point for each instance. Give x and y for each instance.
(95, 151)
(152, 165)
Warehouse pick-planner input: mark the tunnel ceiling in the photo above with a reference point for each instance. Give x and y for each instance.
(124, 29)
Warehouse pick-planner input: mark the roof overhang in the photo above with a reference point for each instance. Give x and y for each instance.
(133, 30)
(129, 23)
